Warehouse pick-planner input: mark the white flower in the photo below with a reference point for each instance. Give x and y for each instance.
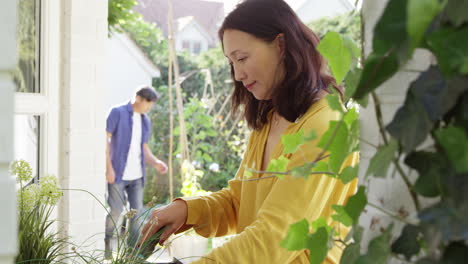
(196, 164)
(22, 170)
(214, 167)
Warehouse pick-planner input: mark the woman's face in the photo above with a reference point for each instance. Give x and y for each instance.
(256, 63)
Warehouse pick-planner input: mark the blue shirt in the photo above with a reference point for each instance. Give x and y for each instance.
(119, 124)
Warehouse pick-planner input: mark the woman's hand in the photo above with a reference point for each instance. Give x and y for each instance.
(172, 216)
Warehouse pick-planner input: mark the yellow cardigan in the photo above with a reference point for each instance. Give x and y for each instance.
(261, 211)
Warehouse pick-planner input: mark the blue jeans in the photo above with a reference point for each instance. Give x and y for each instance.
(118, 194)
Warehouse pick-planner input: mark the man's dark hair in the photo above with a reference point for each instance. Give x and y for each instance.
(148, 93)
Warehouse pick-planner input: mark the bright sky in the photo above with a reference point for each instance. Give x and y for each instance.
(230, 4)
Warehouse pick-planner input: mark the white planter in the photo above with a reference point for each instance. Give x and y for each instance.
(188, 247)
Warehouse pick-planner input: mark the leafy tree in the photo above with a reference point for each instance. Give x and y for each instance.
(120, 13)
(347, 25)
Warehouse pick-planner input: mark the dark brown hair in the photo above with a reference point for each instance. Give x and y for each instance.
(305, 68)
(148, 93)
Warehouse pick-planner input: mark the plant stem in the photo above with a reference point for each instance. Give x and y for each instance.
(368, 143)
(330, 140)
(408, 184)
(378, 113)
(394, 216)
(282, 173)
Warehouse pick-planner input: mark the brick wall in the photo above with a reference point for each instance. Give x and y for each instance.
(82, 121)
(391, 190)
(8, 237)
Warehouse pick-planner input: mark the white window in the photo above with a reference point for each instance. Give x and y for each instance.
(197, 47)
(186, 45)
(37, 81)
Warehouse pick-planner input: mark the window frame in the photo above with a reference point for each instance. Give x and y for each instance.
(45, 103)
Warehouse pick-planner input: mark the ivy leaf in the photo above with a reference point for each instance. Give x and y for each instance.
(420, 15)
(377, 69)
(352, 122)
(321, 166)
(355, 234)
(429, 166)
(247, 173)
(351, 117)
(348, 174)
(311, 136)
(320, 222)
(351, 82)
(317, 244)
(303, 171)
(380, 162)
(456, 252)
(337, 54)
(292, 142)
(451, 221)
(456, 12)
(341, 215)
(449, 46)
(351, 253)
(379, 249)
(278, 165)
(354, 50)
(455, 143)
(334, 102)
(407, 244)
(336, 147)
(390, 32)
(411, 124)
(297, 236)
(349, 214)
(436, 95)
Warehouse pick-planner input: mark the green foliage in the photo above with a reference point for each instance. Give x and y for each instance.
(434, 108)
(420, 15)
(278, 165)
(120, 13)
(37, 242)
(382, 159)
(379, 249)
(347, 25)
(454, 141)
(430, 166)
(349, 214)
(408, 243)
(338, 55)
(297, 236)
(448, 45)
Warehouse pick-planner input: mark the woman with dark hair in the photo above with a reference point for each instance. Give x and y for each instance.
(280, 83)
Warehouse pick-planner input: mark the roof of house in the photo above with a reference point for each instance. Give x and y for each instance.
(137, 53)
(208, 14)
(184, 22)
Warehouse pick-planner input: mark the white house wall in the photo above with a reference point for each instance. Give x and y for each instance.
(82, 120)
(8, 53)
(127, 69)
(192, 34)
(316, 9)
(390, 192)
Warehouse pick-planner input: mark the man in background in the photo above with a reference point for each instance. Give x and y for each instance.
(128, 132)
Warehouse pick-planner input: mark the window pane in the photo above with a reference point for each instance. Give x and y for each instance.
(197, 48)
(27, 128)
(26, 75)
